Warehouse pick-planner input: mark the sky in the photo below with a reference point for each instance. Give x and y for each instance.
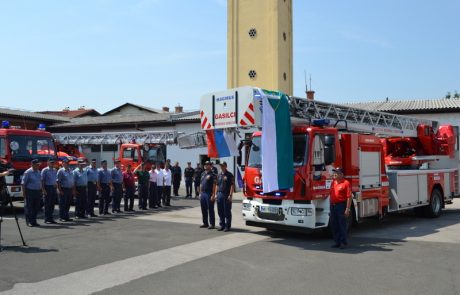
(103, 53)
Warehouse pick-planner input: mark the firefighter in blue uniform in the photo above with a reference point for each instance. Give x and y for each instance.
(32, 192)
(65, 184)
(117, 184)
(80, 189)
(104, 184)
(49, 176)
(92, 173)
(207, 197)
(225, 188)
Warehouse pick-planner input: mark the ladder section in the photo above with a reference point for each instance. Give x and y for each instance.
(357, 120)
(141, 137)
(194, 140)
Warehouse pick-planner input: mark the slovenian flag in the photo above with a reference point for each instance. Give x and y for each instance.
(221, 143)
(277, 142)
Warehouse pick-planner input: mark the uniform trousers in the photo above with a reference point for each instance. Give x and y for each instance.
(50, 201)
(207, 209)
(224, 209)
(32, 205)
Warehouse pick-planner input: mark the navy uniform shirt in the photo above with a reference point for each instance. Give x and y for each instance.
(208, 179)
(65, 178)
(80, 177)
(188, 173)
(117, 175)
(224, 182)
(197, 173)
(104, 176)
(49, 176)
(92, 174)
(32, 179)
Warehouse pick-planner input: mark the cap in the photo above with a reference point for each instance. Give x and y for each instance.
(35, 161)
(337, 170)
(104, 162)
(81, 161)
(51, 160)
(93, 161)
(65, 160)
(189, 163)
(208, 163)
(223, 164)
(116, 161)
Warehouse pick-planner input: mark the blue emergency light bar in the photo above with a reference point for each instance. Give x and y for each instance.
(41, 126)
(320, 122)
(5, 124)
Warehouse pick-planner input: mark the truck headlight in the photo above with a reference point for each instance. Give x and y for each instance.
(301, 211)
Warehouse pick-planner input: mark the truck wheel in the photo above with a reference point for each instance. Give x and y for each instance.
(434, 209)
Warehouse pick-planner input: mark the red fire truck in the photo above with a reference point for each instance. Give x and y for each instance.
(424, 176)
(18, 147)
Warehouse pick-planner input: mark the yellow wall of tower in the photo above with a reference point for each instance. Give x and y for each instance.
(260, 42)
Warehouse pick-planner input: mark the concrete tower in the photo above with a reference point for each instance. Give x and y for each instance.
(259, 48)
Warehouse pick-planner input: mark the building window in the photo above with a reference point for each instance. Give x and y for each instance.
(252, 33)
(284, 36)
(95, 148)
(252, 74)
(110, 148)
(284, 76)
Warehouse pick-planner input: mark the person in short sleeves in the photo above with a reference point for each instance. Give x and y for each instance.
(167, 180)
(32, 192)
(207, 197)
(129, 187)
(143, 178)
(340, 200)
(65, 183)
(49, 185)
(153, 187)
(80, 178)
(92, 173)
(225, 188)
(104, 185)
(117, 184)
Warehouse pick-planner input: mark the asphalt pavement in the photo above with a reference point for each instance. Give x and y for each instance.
(163, 251)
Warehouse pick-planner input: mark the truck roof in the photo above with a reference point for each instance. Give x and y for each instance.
(12, 131)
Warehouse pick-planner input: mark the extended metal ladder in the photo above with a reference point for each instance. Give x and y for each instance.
(140, 137)
(355, 119)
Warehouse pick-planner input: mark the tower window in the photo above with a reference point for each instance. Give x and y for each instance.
(284, 36)
(252, 33)
(252, 74)
(284, 76)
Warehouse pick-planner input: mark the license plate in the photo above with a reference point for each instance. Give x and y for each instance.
(268, 209)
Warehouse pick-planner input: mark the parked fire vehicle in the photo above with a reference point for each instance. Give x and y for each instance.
(134, 147)
(18, 147)
(364, 143)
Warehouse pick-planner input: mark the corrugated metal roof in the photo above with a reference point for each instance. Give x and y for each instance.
(32, 115)
(73, 113)
(114, 120)
(149, 109)
(186, 116)
(419, 105)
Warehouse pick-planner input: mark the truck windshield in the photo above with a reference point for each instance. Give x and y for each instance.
(300, 151)
(26, 148)
(156, 155)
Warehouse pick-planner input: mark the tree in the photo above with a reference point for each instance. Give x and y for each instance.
(448, 95)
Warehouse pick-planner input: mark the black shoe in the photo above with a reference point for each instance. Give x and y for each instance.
(48, 222)
(204, 226)
(52, 221)
(220, 229)
(28, 224)
(107, 213)
(69, 219)
(226, 229)
(343, 246)
(154, 207)
(83, 217)
(114, 211)
(168, 205)
(93, 215)
(34, 224)
(335, 246)
(62, 220)
(211, 227)
(159, 206)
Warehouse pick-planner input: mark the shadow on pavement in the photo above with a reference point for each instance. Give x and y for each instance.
(26, 249)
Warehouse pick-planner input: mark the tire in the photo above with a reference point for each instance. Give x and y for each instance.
(434, 209)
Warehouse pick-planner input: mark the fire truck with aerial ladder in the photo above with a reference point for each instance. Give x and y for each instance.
(394, 163)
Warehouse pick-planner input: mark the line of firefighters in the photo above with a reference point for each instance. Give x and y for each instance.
(84, 183)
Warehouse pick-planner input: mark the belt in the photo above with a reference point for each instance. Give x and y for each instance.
(49, 185)
(80, 185)
(338, 203)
